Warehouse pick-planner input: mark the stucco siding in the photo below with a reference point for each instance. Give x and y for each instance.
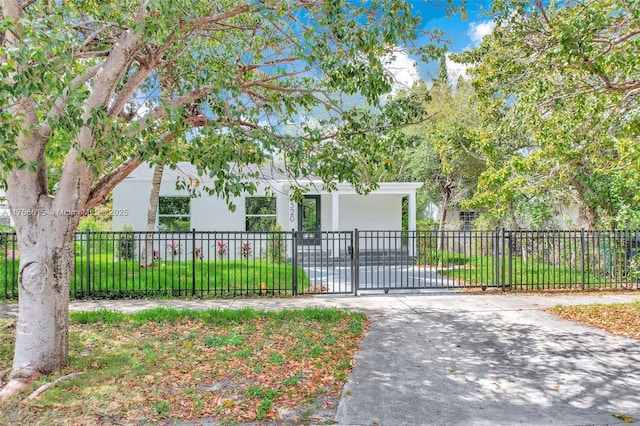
(380, 212)
(132, 200)
(207, 213)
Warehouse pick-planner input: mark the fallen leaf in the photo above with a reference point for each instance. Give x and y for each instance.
(623, 417)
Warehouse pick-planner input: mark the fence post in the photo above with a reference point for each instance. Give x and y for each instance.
(502, 258)
(355, 262)
(88, 261)
(510, 271)
(294, 261)
(193, 261)
(582, 273)
(496, 257)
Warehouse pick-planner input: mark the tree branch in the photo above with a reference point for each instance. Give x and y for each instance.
(108, 182)
(28, 3)
(138, 78)
(58, 106)
(203, 22)
(36, 393)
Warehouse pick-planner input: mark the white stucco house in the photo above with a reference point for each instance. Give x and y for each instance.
(5, 212)
(271, 206)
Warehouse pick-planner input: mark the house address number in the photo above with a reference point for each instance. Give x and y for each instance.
(292, 212)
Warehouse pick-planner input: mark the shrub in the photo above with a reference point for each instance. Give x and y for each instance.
(221, 249)
(276, 251)
(245, 250)
(126, 242)
(426, 241)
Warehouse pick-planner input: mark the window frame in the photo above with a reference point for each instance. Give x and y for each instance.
(248, 216)
(467, 217)
(160, 216)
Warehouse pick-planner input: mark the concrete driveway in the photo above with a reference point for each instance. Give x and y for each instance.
(374, 278)
(489, 360)
(455, 359)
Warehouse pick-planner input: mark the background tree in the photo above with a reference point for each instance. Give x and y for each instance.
(81, 82)
(558, 84)
(443, 156)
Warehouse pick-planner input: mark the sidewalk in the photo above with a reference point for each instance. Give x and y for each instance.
(425, 300)
(459, 359)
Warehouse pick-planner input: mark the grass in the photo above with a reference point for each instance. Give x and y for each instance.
(481, 271)
(622, 319)
(224, 365)
(125, 278)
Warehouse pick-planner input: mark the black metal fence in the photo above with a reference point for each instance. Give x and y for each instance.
(233, 264)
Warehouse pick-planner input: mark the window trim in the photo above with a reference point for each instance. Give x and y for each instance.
(159, 215)
(467, 217)
(247, 215)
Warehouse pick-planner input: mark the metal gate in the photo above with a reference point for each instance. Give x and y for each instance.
(328, 264)
(360, 261)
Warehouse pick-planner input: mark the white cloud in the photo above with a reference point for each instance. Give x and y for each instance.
(402, 69)
(477, 31)
(455, 70)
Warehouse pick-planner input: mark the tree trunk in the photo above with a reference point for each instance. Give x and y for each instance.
(587, 211)
(446, 192)
(154, 197)
(46, 246)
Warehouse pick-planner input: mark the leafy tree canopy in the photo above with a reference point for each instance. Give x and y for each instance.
(119, 82)
(558, 85)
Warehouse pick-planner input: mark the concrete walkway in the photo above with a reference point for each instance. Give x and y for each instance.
(458, 359)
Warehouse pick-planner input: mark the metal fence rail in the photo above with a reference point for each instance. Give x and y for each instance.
(233, 264)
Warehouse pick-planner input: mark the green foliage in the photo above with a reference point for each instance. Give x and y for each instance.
(174, 214)
(89, 223)
(174, 278)
(555, 84)
(442, 155)
(260, 213)
(426, 224)
(276, 65)
(6, 229)
(126, 242)
(162, 409)
(426, 243)
(276, 250)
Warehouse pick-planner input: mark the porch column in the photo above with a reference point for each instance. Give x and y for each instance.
(412, 221)
(335, 211)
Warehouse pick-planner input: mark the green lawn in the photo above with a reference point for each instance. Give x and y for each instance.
(105, 277)
(481, 271)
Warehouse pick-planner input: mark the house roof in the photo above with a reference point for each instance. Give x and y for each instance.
(269, 171)
(273, 174)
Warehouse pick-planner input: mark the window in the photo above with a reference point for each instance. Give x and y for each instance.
(5, 214)
(174, 214)
(467, 217)
(260, 213)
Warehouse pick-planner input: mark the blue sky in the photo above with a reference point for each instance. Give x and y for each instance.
(459, 32)
(462, 34)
